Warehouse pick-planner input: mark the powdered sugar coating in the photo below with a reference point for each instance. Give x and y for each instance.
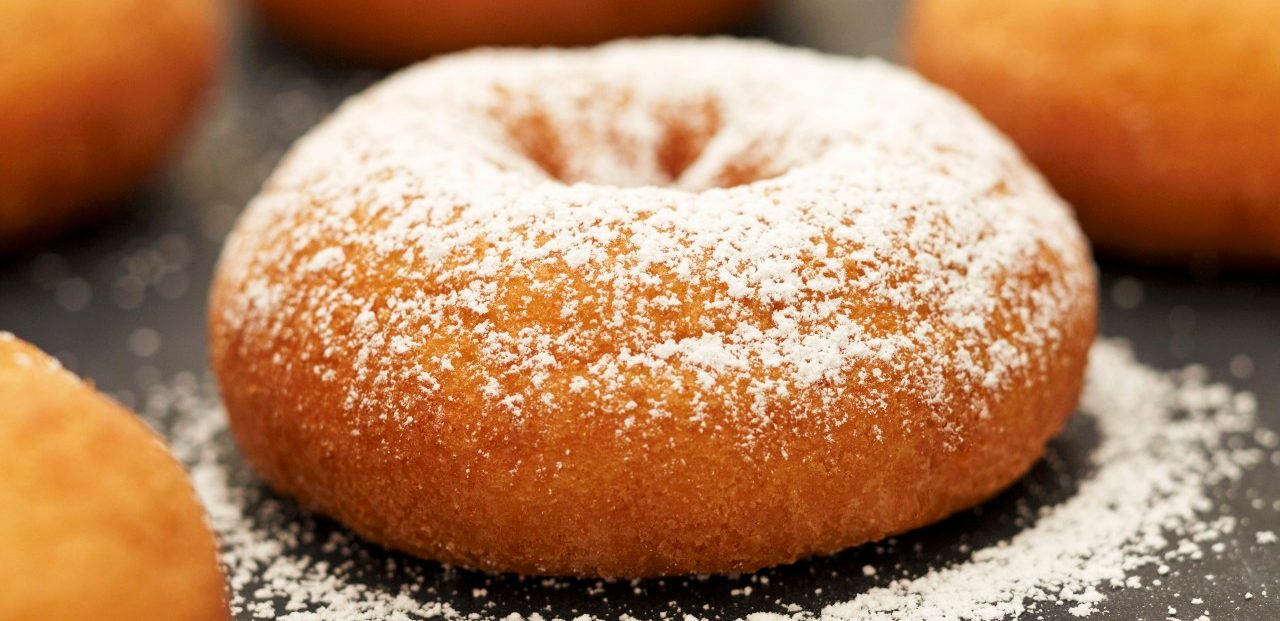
(661, 228)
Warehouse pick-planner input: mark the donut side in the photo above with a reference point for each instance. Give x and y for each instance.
(564, 496)
(98, 520)
(95, 95)
(1156, 121)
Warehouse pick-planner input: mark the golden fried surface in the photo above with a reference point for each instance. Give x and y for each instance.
(94, 94)
(97, 521)
(651, 308)
(399, 31)
(1156, 120)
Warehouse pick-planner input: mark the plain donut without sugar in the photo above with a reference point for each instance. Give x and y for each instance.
(392, 32)
(95, 94)
(1159, 121)
(97, 519)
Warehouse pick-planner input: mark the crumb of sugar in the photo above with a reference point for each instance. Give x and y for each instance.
(144, 342)
(1165, 439)
(1127, 293)
(73, 294)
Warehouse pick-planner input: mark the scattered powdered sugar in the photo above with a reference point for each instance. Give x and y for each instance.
(1163, 439)
(1144, 504)
(721, 226)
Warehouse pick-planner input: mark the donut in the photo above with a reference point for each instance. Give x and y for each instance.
(97, 520)
(1156, 120)
(395, 32)
(94, 94)
(658, 307)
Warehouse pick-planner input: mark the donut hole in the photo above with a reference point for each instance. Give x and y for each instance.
(616, 141)
(684, 137)
(533, 137)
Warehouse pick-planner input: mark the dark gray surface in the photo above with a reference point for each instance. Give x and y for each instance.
(79, 298)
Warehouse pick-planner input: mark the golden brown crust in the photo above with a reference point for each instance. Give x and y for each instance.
(688, 503)
(94, 94)
(674, 388)
(393, 32)
(97, 520)
(1156, 120)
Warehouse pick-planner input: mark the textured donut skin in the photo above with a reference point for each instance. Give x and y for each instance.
(1156, 120)
(95, 94)
(97, 520)
(340, 402)
(394, 32)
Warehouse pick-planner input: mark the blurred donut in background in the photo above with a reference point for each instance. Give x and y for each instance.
(392, 32)
(1160, 121)
(93, 95)
(97, 520)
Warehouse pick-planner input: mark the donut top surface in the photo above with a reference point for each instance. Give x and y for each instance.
(736, 236)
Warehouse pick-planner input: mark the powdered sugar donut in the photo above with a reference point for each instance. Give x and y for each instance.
(651, 308)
